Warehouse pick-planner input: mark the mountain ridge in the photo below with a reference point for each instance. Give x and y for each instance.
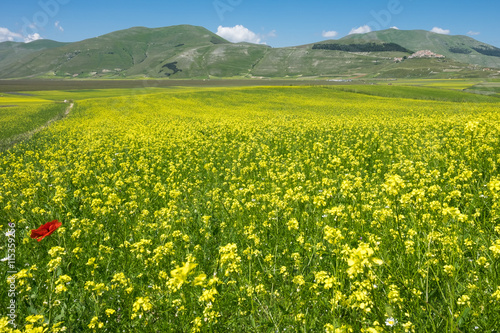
(439, 43)
(186, 51)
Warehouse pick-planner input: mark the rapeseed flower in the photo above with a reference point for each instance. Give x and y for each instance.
(360, 258)
(313, 189)
(180, 274)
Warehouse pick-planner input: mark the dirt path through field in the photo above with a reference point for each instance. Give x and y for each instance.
(9, 143)
(68, 109)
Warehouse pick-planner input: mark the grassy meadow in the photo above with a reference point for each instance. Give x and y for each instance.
(258, 209)
(20, 114)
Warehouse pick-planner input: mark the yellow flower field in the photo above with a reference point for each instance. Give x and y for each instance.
(278, 209)
(18, 120)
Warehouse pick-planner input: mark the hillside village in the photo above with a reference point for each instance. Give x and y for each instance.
(421, 54)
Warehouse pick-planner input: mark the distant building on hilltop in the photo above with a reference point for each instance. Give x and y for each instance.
(425, 54)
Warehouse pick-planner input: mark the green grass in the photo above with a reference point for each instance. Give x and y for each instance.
(424, 93)
(82, 94)
(491, 86)
(15, 100)
(15, 121)
(454, 84)
(426, 89)
(22, 113)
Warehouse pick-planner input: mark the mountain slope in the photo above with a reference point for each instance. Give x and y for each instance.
(186, 51)
(459, 48)
(11, 52)
(135, 51)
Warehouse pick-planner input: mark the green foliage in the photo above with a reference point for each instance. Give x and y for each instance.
(461, 50)
(488, 50)
(361, 47)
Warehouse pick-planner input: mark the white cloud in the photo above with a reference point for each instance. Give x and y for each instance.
(473, 33)
(270, 34)
(395, 28)
(32, 37)
(361, 30)
(7, 35)
(58, 26)
(238, 33)
(440, 31)
(329, 34)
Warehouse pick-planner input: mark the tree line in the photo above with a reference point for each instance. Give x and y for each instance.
(365, 47)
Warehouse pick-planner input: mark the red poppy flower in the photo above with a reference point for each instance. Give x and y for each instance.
(45, 230)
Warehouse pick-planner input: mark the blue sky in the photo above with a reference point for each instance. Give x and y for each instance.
(278, 24)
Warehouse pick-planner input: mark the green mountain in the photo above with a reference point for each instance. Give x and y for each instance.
(12, 52)
(186, 51)
(181, 51)
(459, 48)
(365, 55)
